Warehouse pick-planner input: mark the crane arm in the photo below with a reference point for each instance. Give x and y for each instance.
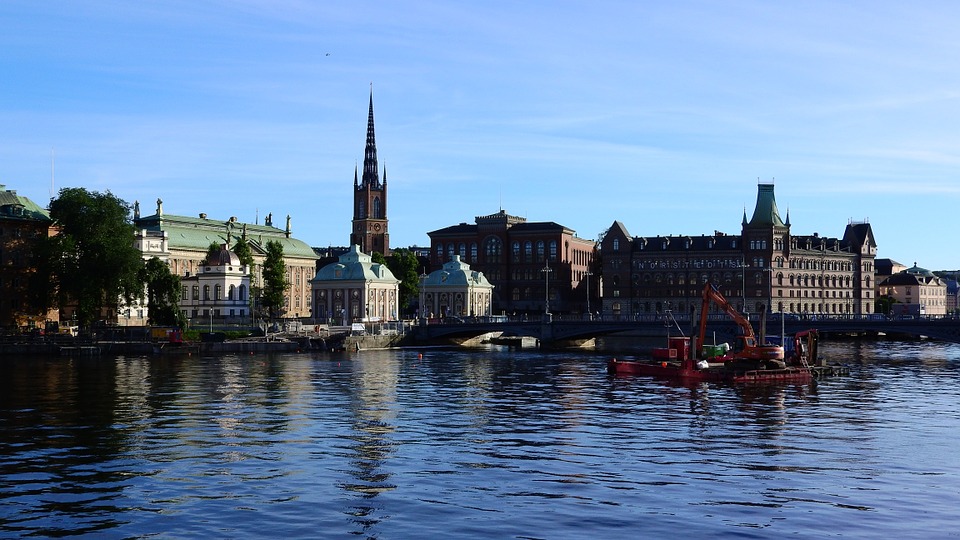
(711, 294)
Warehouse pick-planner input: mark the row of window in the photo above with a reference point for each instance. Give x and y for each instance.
(493, 248)
(799, 308)
(233, 292)
(728, 278)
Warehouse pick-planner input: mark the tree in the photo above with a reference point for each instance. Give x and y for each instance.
(92, 263)
(403, 264)
(163, 294)
(213, 252)
(274, 279)
(243, 251)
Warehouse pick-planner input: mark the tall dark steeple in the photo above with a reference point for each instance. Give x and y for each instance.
(370, 176)
(369, 230)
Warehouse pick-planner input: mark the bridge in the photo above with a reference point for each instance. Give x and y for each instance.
(559, 331)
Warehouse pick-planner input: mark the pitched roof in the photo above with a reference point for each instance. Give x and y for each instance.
(13, 206)
(184, 232)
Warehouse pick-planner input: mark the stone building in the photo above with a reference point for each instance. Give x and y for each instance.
(455, 290)
(220, 290)
(22, 224)
(765, 267)
(355, 289)
(917, 292)
(535, 267)
(183, 242)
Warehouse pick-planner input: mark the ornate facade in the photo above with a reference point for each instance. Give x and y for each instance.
(219, 291)
(183, 243)
(535, 267)
(369, 226)
(455, 290)
(765, 267)
(355, 289)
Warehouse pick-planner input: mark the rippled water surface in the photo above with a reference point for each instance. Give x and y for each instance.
(481, 443)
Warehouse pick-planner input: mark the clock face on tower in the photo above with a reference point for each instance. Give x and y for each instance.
(376, 227)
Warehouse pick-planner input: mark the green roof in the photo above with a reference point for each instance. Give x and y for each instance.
(197, 233)
(13, 206)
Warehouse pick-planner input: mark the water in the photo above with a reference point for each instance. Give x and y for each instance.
(474, 444)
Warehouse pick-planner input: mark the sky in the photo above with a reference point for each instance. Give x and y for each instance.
(661, 115)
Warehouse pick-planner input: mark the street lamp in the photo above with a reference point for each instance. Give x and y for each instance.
(588, 274)
(546, 300)
(743, 285)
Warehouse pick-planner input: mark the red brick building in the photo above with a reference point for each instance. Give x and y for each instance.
(535, 267)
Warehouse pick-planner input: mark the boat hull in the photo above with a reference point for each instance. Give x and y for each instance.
(682, 371)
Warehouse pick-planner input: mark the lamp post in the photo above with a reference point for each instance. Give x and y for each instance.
(589, 315)
(743, 285)
(546, 297)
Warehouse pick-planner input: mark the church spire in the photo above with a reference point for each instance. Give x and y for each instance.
(370, 176)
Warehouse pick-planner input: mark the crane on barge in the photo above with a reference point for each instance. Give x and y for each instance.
(747, 346)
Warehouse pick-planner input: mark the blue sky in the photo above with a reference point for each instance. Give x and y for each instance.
(662, 115)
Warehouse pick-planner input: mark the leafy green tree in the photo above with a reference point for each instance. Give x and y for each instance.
(213, 252)
(243, 251)
(403, 264)
(163, 294)
(274, 279)
(378, 258)
(92, 263)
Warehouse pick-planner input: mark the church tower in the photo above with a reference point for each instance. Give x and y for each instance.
(370, 199)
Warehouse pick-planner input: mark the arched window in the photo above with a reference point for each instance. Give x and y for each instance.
(473, 252)
(528, 250)
(206, 292)
(217, 291)
(462, 249)
(440, 251)
(540, 247)
(376, 208)
(362, 210)
(492, 248)
(516, 251)
(553, 250)
(242, 292)
(231, 292)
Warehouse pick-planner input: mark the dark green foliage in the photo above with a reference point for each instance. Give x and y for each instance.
(213, 252)
(242, 249)
(274, 280)
(403, 264)
(378, 258)
(92, 263)
(163, 294)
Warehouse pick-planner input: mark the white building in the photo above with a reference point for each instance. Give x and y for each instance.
(455, 290)
(354, 289)
(220, 290)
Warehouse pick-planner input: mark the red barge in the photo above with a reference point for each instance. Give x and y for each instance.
(750, 361)
(682, 366)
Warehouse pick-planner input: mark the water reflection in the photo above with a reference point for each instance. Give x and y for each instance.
(372, 407)
(469, 444)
